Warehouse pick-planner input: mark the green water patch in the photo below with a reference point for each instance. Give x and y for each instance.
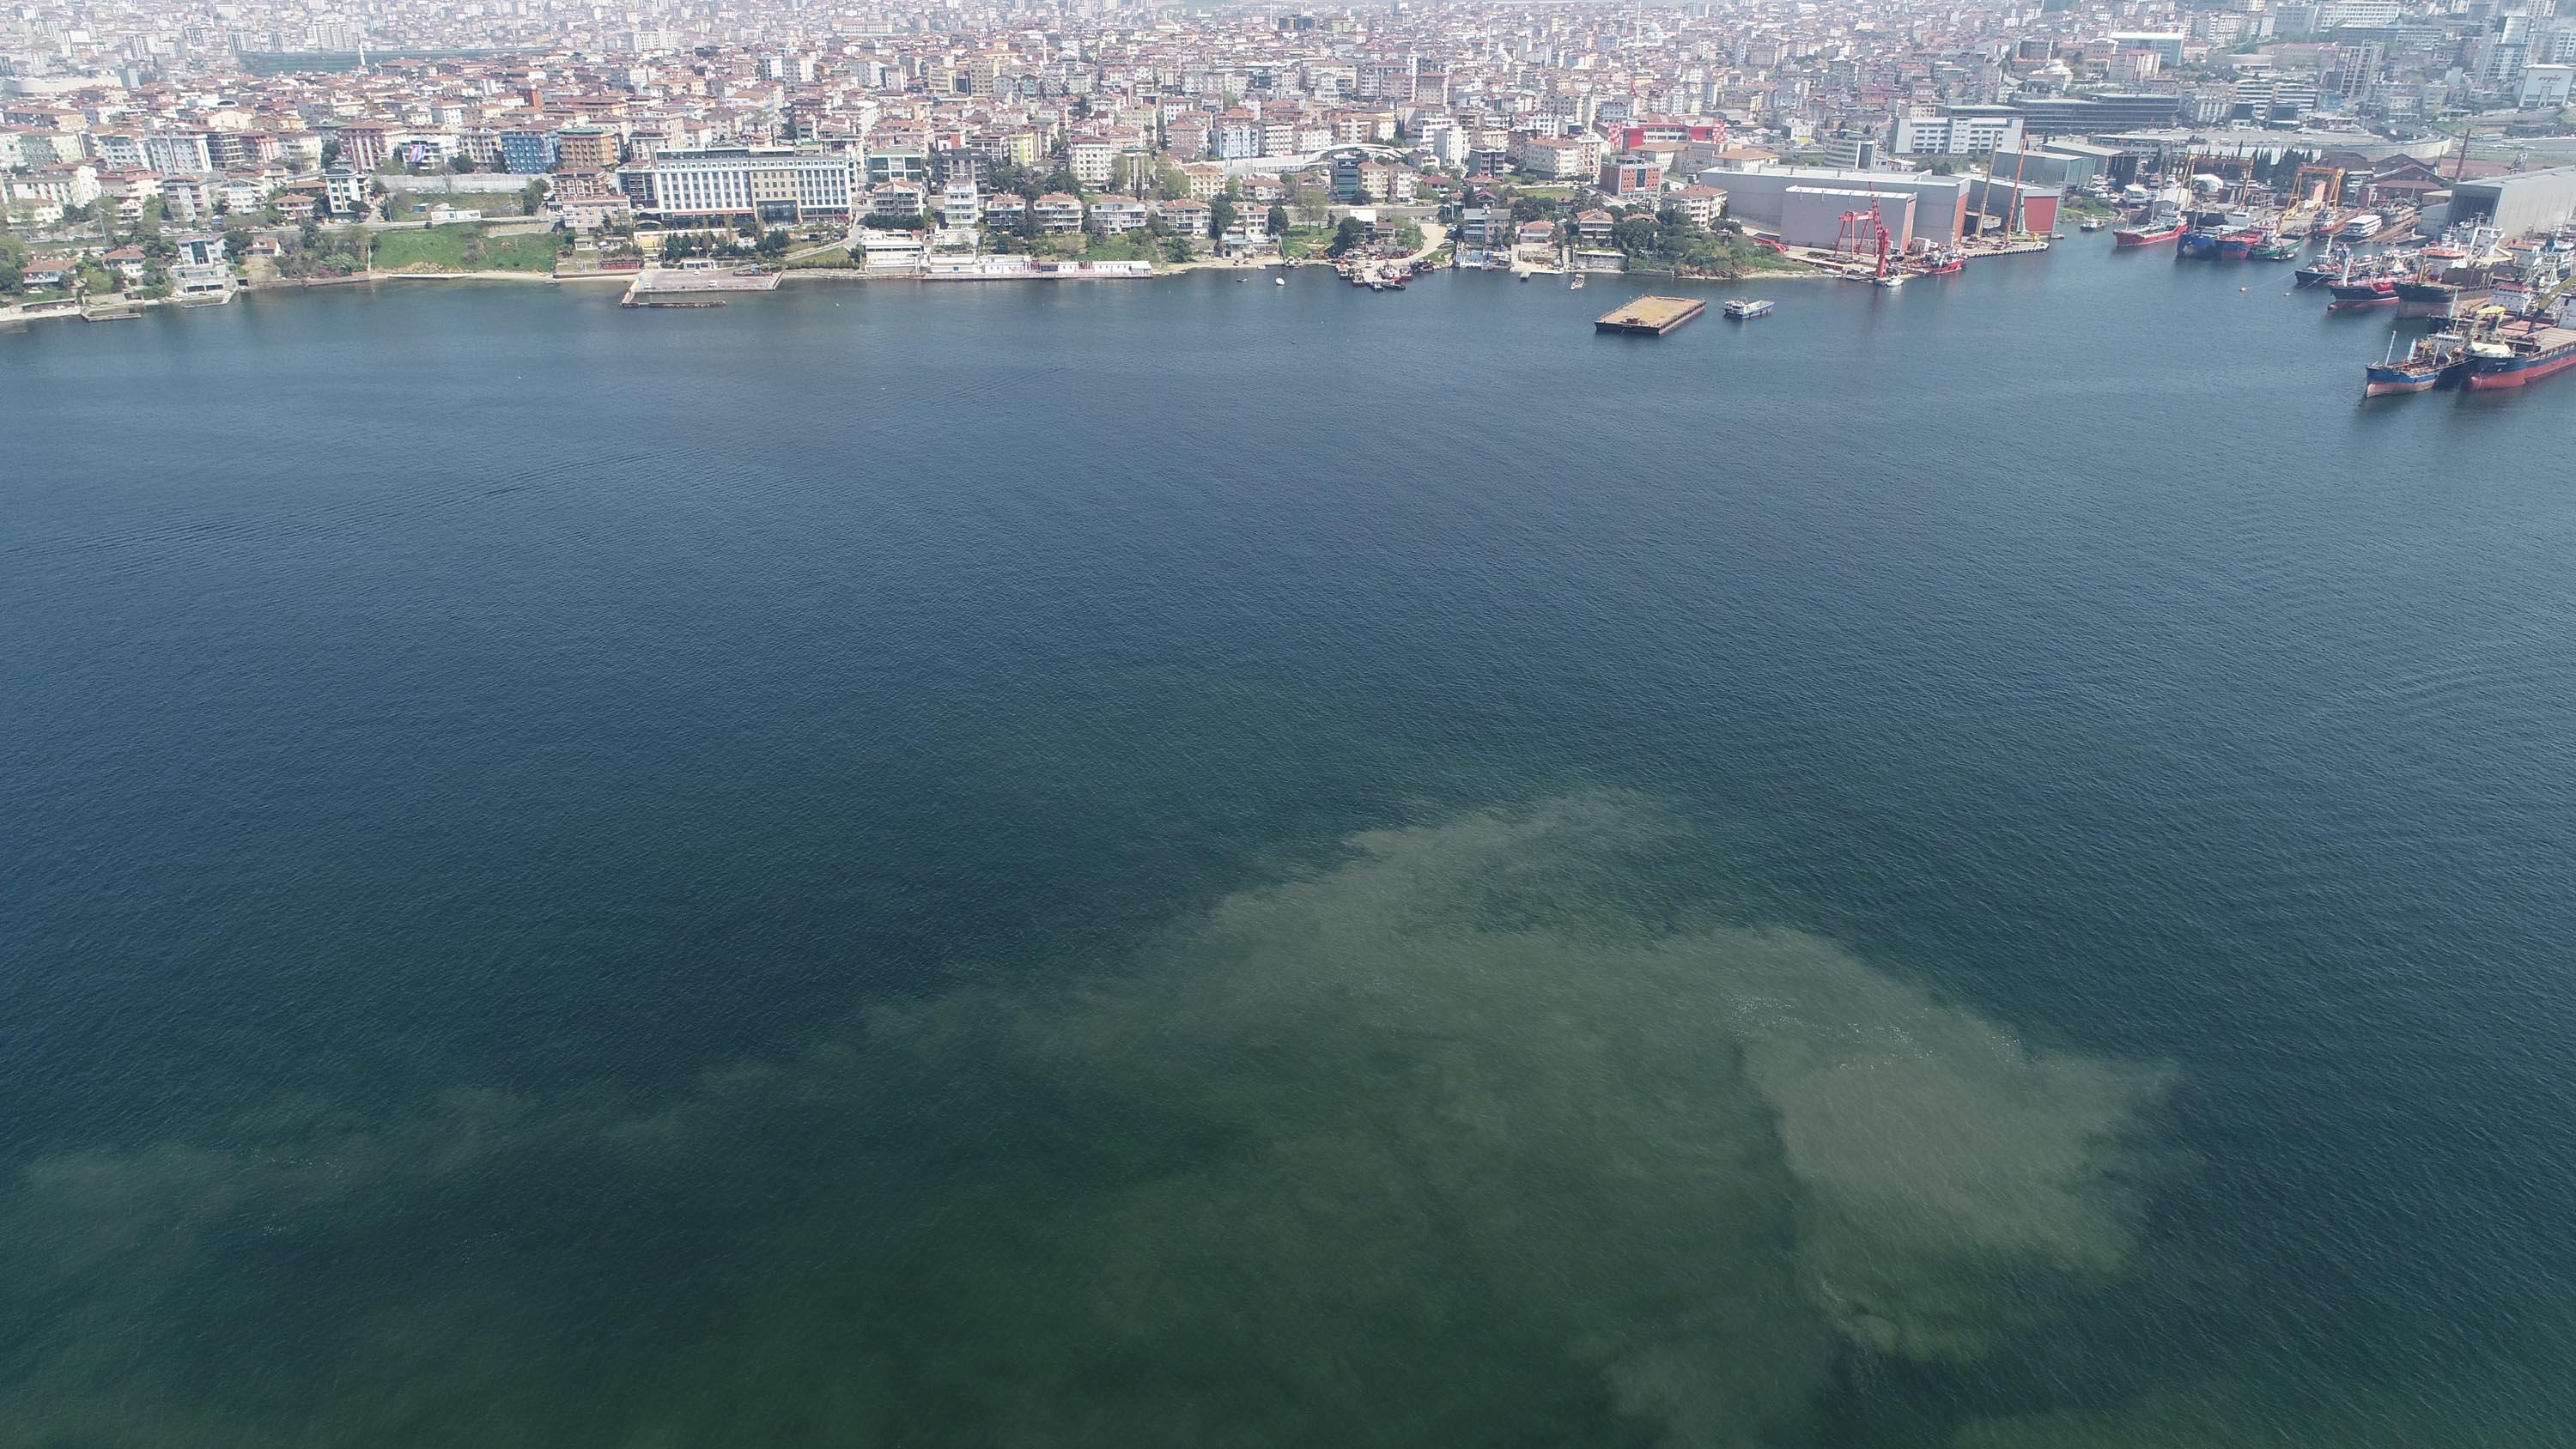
(1461, 1134)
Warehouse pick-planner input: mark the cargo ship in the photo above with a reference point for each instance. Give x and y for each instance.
(2440, 360)
(2362, 292)
(2236, 246)
(2512, 359)
(2148, 233)
(2446, 295)
(2160, 222)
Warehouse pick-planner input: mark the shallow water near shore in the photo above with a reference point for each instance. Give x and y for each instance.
(1199, 863)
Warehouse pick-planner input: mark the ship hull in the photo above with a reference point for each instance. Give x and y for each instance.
(2144, 236)
(2487, 376)
(2385, 381)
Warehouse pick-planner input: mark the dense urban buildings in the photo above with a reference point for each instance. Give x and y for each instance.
(1174, 133)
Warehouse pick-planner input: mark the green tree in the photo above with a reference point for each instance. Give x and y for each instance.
(236, 243)
(1221, 215)
(1171, 183)
(1277, 220)
(1351, 234)
(532, 197)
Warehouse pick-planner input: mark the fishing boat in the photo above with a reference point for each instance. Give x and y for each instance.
(1746, 308)
(2278, 249)
(2439, 360)
(2332, 265)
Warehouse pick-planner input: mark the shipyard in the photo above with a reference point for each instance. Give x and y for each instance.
(2422, 174)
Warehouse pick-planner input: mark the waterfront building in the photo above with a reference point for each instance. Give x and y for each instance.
(2521, 202)
(1760, 197)
(1812, 216)
(773, 185)
(1058, 212)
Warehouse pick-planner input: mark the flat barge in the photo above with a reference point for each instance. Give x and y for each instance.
(1650, 316)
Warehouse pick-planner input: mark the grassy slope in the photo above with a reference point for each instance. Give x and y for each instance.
(442, 249)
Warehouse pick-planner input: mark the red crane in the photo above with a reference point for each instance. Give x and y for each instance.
(1864, 235)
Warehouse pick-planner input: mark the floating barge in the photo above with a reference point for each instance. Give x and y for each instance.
(1650, 316)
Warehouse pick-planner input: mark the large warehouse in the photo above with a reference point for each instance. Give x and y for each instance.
(1812, 216)
(1760, 197)
(2525, 201)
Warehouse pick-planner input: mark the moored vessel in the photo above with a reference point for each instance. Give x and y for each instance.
(2362, 292)
(1743, 308)
(2440, 360)
(2501, 359)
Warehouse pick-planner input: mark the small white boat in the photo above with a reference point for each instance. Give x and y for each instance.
(1279, 281)
(2090, 223)
(1892, 279)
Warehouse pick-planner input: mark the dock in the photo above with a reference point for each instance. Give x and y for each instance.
(1650, 316)
(696, 276)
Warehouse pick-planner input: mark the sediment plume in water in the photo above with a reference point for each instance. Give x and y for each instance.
(1465, 1136)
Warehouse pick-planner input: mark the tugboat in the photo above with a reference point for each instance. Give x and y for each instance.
(2439, 360)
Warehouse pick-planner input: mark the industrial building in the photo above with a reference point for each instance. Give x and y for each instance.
(2525, 201)
(2105, 111)
(1812, 216)
(1759, 198)
(2068, 165)
(2012, 206)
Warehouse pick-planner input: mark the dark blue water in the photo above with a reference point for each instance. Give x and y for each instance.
(1199, 862)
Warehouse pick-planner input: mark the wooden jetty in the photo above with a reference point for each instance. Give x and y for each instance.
(1650, 316)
